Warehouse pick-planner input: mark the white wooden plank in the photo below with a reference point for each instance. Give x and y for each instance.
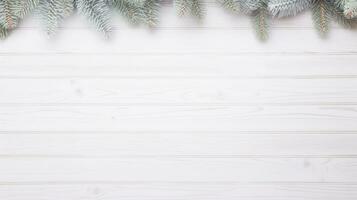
(175, 191)
(179, 41)
(172, 66)
(179, 118)
(179, 91)
(178, 169)
(177, 145)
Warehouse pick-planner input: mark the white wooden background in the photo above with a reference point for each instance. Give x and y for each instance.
(185, 112)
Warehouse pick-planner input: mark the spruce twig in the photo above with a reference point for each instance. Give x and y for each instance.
(261, 23)
(321, 16)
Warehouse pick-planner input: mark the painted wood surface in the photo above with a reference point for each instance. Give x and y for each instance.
(194, 111)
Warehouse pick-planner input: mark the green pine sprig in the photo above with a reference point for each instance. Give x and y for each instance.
(261, 21)
(230, 5)
(193, 7)
(151, 12)
(96, 11)
(321, 16)
(53, 12)
(3, 32)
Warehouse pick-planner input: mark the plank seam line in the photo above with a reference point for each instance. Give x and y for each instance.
(24, 183)
(193, 105)
(223, 54)
(200, 77)
(207, 132)
(175, 156)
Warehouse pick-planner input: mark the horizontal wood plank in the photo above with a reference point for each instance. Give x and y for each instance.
(184, 144)
(180, 91)
(175, 191)
(308, 66)
(179, 169)
(179, 118)
(178, 41)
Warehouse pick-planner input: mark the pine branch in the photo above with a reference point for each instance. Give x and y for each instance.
(52, 13)
(350, 8)
(261, 16)
(3, 32)
(96, 11)
(23, 7)
(137, 3)
(135, 13)
(11, 12)
(251, 5)
(182, 6)
(128, 10)
(284, 8)
(7, 17)
(151, 12)
(338, 15)
(240, 6)
(340, 3)
(321, 16)
(230, 5)
(195, 7)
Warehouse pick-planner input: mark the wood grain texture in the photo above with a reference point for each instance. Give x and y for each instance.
(189, 111)
(178, 169)
(224, 66)
(179, 190)
(177, 144)
(171, 91)
(180, 42)
(33, 117)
